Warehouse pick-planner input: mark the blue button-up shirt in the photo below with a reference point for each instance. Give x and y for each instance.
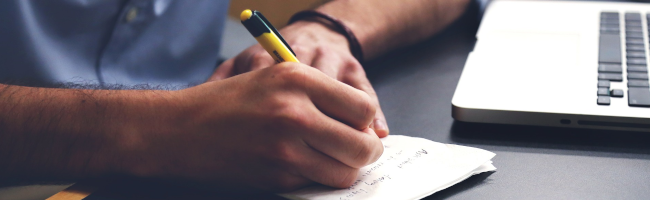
(128, 42)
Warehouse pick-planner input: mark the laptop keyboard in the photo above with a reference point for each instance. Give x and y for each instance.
(611, 61)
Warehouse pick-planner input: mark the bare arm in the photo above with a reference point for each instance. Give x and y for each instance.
(384, 25)
(276, 129)
(68, 133)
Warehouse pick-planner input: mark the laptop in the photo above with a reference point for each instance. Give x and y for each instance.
(559, 63)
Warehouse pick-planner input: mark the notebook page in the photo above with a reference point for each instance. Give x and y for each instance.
(410, 168)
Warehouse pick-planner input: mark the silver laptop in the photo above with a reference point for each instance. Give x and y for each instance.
(559, 63)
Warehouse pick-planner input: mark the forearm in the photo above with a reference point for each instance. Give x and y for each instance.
(67, 133)
(384, 25)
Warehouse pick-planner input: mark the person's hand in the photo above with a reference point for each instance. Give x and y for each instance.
(278, 128)
(317, 46)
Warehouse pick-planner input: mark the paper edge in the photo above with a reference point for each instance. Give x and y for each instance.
(485, 167)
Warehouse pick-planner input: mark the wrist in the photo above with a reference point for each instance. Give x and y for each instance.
(333, 24)
(143, 120)
(313, 31)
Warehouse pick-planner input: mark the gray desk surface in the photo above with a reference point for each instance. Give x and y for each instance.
(415, 86)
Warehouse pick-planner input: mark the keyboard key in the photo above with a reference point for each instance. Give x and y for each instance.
(638, 97)
(610, 77)
(614, 68)
(637, 68)
(603, 92)
(633, 35)
(609, 32)
(604, 20)
(635, 57)
(609, 23)
(603, 84)
(633, 41)
(636, 54)
(614, 30)
(636, 47)
(609, 19)
(637, 76)
(609, 15)
(629, 51)
(637, 83)
(632, 18)
(636, 61)
(603, 100)
(633, 23)
(610, 48)
(634, 29)
(616, 93)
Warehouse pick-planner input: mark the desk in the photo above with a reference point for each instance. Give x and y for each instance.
(415, 87)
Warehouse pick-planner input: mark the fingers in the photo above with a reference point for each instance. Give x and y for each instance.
(253, 58)
(352, 147)
(326, 151)
(223, 71)
(323, 169)
(304, 55)
(250, 59)
(258, 60)
(351, 73)
(329, 63)
(329, 123)
(356, 77)
(337, 100)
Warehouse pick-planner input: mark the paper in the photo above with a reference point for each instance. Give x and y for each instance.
(410, 168)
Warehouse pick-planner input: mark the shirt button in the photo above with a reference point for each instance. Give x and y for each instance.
(131, 14)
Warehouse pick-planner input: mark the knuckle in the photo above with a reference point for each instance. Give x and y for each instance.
(368, 89)
(283, 155)
(300, 50)
(369, 107)
(260, 60)
(322, 50)
(290, 74)
(260, 56)
(355, 66)
(364, 156)
(348, 178)
(379, 150)
(288, 115)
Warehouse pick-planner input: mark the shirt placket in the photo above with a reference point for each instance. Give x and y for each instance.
(133, 18)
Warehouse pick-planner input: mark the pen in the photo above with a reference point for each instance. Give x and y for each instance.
(267, 36)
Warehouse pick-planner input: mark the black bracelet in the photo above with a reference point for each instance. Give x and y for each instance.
(355, 47)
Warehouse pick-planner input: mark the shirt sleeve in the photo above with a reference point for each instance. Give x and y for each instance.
(482, 4)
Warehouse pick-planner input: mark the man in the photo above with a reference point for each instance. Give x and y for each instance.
(254, 123)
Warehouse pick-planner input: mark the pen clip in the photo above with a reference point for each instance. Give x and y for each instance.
(275, 31)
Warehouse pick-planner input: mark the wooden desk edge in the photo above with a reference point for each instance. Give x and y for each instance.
(77, 191)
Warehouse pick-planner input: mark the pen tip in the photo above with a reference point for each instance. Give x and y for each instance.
(246, 14)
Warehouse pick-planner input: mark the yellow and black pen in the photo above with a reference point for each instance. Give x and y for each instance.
(267, 36)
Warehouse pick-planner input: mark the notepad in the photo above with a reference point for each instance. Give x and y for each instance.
(409, 168)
